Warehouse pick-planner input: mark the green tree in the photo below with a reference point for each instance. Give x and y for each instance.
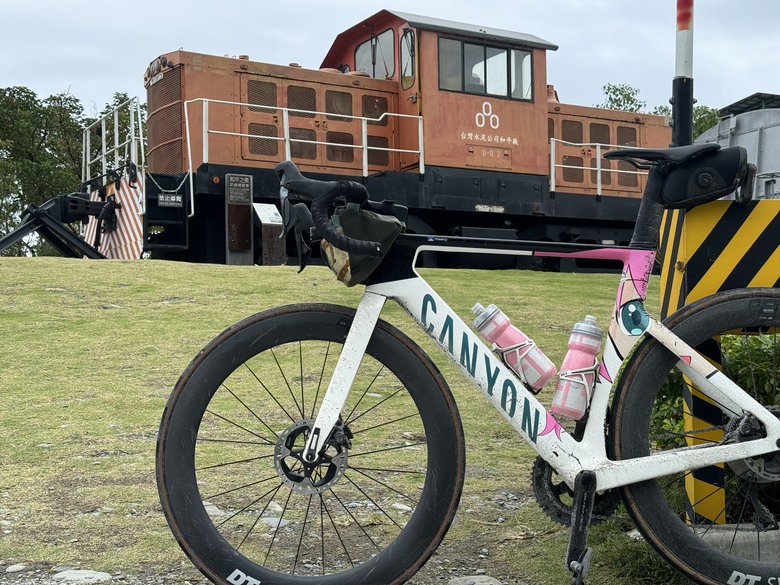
(704, 117)
(40, 144)
(40, 152)
(622, 97)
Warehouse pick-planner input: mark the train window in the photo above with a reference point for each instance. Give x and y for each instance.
(481, 69)
(571, 131)
(599, 133)
(338, 102)
(407, 60)
(475, 68)
(626, 136)
(302, 98)
(522, 76)
(496, 68)
(450, 65)
(377, 56)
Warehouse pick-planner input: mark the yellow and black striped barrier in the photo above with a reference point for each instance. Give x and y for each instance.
(717, 246)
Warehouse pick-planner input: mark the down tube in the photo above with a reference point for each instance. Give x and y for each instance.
(499, 384)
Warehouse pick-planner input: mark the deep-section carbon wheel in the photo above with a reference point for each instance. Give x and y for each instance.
(246, 506)
(716, 524)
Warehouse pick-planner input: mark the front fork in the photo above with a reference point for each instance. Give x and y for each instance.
(355, 345)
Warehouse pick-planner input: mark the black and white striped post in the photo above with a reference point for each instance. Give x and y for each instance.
(682, 85)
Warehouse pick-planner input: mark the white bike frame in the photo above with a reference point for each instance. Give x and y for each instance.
(519, 406)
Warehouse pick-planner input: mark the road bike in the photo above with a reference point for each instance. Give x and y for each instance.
(315, 443)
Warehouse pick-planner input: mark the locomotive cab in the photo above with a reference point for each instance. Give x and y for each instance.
(480, 91)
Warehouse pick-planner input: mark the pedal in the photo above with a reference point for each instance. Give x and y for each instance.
(579, 568)
(578, 554)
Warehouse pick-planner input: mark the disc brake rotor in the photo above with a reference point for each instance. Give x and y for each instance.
(300, 475)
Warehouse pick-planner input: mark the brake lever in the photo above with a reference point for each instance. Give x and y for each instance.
(296, 218)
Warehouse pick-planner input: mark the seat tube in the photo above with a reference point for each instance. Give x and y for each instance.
(648, 220)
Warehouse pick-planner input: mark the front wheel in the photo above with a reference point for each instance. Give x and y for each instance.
(716, 524)
(236, 491)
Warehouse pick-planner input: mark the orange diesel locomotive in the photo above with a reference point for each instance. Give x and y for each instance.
(457, 122)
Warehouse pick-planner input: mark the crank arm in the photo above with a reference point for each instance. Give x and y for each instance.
(344, 373)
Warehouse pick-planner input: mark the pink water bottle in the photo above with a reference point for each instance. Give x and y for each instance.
(518, 352)
(578, 370)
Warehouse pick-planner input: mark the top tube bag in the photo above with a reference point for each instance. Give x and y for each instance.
(381, 223)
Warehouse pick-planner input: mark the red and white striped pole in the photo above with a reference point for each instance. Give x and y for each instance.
(682, 85)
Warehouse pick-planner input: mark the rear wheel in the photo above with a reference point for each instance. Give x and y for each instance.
(237, 493)
(716, 524)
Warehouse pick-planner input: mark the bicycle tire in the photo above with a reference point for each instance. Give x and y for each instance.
(372, 511)
(709, 532)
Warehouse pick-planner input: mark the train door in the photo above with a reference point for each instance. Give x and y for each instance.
(409, 98)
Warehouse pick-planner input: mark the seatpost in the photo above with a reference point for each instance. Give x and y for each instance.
(648, 221)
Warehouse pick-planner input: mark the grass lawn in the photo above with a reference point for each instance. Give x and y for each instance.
(91, 350)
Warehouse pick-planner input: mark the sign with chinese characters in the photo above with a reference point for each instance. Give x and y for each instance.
(486, 129)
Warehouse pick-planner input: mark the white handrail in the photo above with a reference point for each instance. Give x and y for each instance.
(598, 168)
(109, 156)
(287, 139)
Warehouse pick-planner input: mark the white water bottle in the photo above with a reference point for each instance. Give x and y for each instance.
(578, 370)
(518, 352)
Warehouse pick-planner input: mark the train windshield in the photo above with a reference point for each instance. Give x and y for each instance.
(376, 56)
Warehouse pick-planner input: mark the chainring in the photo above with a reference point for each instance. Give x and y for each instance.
(556, 498)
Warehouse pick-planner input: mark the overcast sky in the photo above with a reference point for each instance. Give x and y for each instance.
(92, 49)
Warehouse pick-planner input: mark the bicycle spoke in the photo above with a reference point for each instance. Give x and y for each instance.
(403, 495)
(319, 382)
(246, 430)
(246, 365)
(249, 505)
(287, 383)
(363, 395)
(384, 424)
(374, 502)
(303, 531)
(409, 446)
(338, 534)
(355, 520)
(276, 530)
(241, 487)
(249, 460)
(365, 412)
(252, 412)
(387, 470)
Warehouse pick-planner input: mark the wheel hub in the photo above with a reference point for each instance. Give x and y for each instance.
(764, 468)
(303, 476)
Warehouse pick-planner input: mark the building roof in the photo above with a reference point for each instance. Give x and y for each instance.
(757, 101)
